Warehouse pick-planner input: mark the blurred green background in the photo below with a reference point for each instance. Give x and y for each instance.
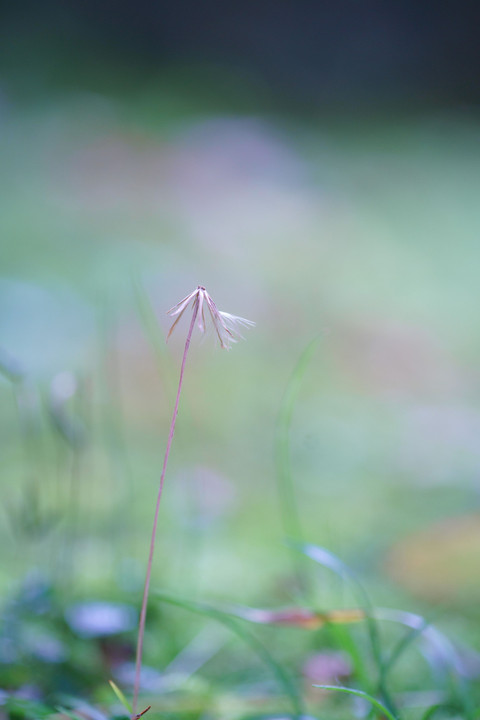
(318, 196)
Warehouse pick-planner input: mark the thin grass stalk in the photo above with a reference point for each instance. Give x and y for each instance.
(289, 512)
(143, 612)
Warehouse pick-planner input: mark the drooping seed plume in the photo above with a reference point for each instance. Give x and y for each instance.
(226, 325)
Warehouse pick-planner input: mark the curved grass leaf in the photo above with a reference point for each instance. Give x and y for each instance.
(284, 680)
(442, 652)
(326, 558)
(121, 696)
(329, 560)
(401, 647)
(429, 714)
(286, 492)
(288, 505)
(439, 644)
(365, 696)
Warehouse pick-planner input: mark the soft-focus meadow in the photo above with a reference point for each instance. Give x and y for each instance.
(356, 234)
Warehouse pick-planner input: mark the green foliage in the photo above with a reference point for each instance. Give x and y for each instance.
(19, 709)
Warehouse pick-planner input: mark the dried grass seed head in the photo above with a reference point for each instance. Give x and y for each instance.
(226, 325)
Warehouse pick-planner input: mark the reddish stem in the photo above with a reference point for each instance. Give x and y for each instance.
(143, 612)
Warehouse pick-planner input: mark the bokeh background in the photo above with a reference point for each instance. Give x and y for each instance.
(316, 166)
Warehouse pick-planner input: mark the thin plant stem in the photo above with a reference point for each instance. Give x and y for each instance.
(289, 512)
(143, 612)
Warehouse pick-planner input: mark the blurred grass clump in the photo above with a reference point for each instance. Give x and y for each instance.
(360, 233)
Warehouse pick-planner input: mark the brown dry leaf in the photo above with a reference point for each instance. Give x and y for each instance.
(440, 563)
(299, 617)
